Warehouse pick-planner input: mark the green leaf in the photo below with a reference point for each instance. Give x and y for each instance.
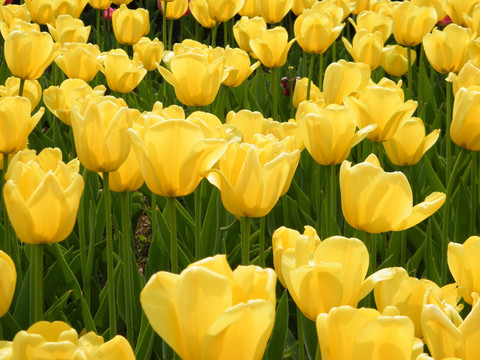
(276, 345)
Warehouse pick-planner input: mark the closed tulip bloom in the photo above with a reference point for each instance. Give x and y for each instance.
(342, 78)
(12, 11)
(29, 53)
(18, 25)
(150, 52)
(73, 8)
(130, 25)
(439, 6)
(411, 23)
(372, 22)
(42, 195)
(195, 76)
(247, 29)
(31, 90)
(346, 333)
(250, 123)
(8, 279)
(458, 9)
(330, 134)
(382, 104)
(464, 129)
(175, 9)
(123, 75)
(100, 4)
(79, 61)
(41, 11)
(446, 49)
(216, 10)
(99, 125)
(361, 5)
(272, 46)
(409, 143)
(128, 176)
(69, 30)
(300, 92)
(16, 123)
(273, 11)
(239, 62)
(60, 99)
(249, 9)
(121, 2)
(316, 29)
(395, 59)
(366, 47)
(376, 201)
(468, 76)
(299, 6)
(232, 312)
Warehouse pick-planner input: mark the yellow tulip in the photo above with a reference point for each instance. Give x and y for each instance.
(29, 53)
(467, 77)
(273, 11)
(349, 333)
(172, 154)
(366, 48)
(41, 11)
(12, 11)
(249, 9)
(16, 123)
(123, 75)
(282, 130)
(250, 123)
(361, 5)
(411, 22)
(60, 99)
(464, 127)
(300, 92)
(247, 29)
(99, 125)
(381, 104)
(8, 279)
(239, 62)
(31, 90)
(446, 49)
(330, 133)
(73, 8)
(395, 59)
(116, 349)
(438, 5)
(121, 2)
(299, 6)
(213, 11)
(376, 201)
(317, 28)
(409, 143)
(272, 46)
(69, 30)
(79, 61)
(130, 25)
(100, 4)
(150, 52)
(342, 79)
(196, 77)
(212, 312)
(42, 195)
(175, 9)
(372, 22)
(18, 25)
(457, 10)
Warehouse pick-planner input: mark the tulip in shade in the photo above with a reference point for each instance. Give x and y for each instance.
(123, 75)
(272, 46)
(42, 195)
(411, 22)
(299, 6)
(130, 25)
(395, 59)
(464, 129)
(212, 312)
(8, 279)
(175, 9)
(31, 90)
(376, 201)
(100, 4)
(273, 11)
(249, 9)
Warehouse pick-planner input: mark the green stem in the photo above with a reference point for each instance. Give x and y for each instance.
(173, 234)
(473, 177)
(6, 220)
(226, 26)
(310, 75)
(214, 35)
(164, 24)
(320, 72)
(403, 248)
(21, 87)
(198, 223)
(261, 242)
(301, 346)
(318, 199)
(170, 33)
(112, 315)
(332, 199)
(421, 84)
(36, 283)
(245, 95)
(245, 233)
(371, 244)
(274, 84)
(97, 29)
(409, 74)
(81, 235)
(448, 120)
(127, 265)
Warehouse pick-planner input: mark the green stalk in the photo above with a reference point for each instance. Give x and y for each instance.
(153, 219)
(318, 199)
(245, 234)
(226, 26)
(6, 220)
(36, 283)
(164, 25)
(274, 84)
(245, 95)
(409, 74)
(332, 199)
(170, 33)
(473, 177)
(198, 223)
(421, 108)
(21, 87)
(371, 244)
(97, 29)
(214, 35)
(173, 234)
(310, 76)
(320, 73)
(301, 346)
(448, 120)
(261, 242)
(127, 265)
(112, 315)
(81, 234)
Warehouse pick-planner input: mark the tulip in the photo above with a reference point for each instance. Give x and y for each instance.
(395, 59)
(99, 125)
(73, 8)
(299, 6)
(308, 106)
(29, 53)
(9, 13)
(46, 209)
(79, 61)
(457, 10)
(60, 99)
(376, 201)
(464, 127)
(411, 23)
(361, 5)
(348, 333)
(409, 143)
(273, 11)
(31, 90)
(41, 11)
(272, 46)
(100, 4)
(300, 92)
(342, 79)
(69, 30)
(239, 62)
(247, 29)
(366, 47)
(18, 25)
(382, 104)
(446, 49)
(438, 5)
(330, 133)
(121, 2)
(468, 76)
(8, 279)
(150, 52)
(232, 312)
(208, 12)
(250, 123)
(16, 123)
(249, 9)
(130, 25)
(175, 9)
(372, 22)
(316, 29)
(245, 177)
(123, 75)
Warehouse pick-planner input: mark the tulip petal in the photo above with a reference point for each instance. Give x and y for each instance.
(372, 280)
(421, 211)
(471, 331)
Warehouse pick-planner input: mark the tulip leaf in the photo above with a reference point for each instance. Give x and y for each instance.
(276, 345)
(461, 218)
(52, 313)
(432, 176)
(431, 270)
(310, 336)
(210, 226)
(10, 326)
(146, 335)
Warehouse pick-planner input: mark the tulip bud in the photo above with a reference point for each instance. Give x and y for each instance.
(150, 52)
(123, 75)
(464, 129)
(272, 46)
(239, 62)
(8, 279)
(366, 48)
(31, 90)
(411, 23)
(69, 30)
(79, 61)
(247, 29)
(130, 25)
(273, 11)
(395, 59)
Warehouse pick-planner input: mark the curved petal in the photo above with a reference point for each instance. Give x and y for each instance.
(421, 211)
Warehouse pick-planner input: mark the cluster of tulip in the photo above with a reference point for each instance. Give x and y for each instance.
(146, 125)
